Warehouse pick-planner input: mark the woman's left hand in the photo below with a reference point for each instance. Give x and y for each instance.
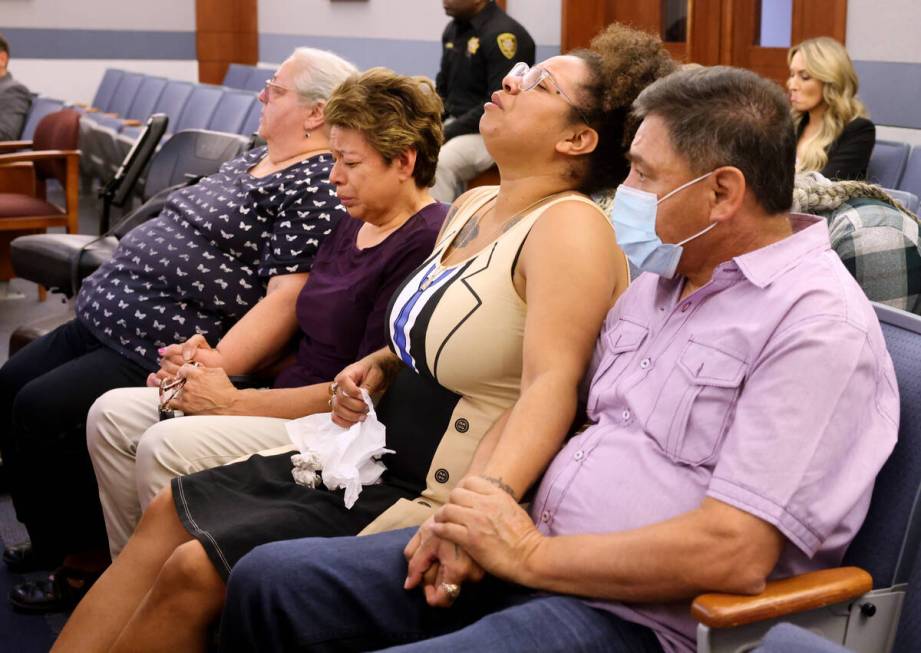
(207, 391)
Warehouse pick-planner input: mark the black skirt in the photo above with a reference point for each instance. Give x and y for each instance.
(233, 509)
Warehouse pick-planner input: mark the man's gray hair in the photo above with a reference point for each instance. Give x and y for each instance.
(723, 116)
(318, 72)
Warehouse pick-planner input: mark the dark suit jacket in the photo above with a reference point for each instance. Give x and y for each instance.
(849, 155)
(15, 101)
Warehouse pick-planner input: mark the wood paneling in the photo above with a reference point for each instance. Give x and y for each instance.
(227, 32)
(719, 31)
(581, 20)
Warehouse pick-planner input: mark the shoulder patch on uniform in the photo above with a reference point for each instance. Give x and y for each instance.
(508, 44)
(473, 45)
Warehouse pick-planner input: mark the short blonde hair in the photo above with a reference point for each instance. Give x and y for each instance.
(394, 113)
(827, 61)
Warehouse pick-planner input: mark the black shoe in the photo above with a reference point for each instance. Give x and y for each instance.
(22, 558)
(60, 592)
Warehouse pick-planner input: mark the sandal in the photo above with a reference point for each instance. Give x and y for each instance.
(60, 592)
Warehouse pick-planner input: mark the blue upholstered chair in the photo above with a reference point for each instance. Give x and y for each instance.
(106, 89)
(125, 93)
(787, 638)
(887, 163)
(911, 177)
(838, 603)
(231, 111)
(41, 107)
(237, 75)
(907, 199)
(251, 123)
(257, 78)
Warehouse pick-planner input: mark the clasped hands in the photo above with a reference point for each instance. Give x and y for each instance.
(207, 390)
(481, 529)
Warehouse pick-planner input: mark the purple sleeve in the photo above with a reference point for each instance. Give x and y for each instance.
(816, 419)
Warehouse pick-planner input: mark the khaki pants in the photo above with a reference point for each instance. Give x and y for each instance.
(461, 159)
(135, 455)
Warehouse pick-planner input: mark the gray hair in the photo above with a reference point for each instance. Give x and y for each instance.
(723, 116)
(318, 73)
(813, 193)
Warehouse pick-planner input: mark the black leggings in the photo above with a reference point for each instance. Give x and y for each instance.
(46, 389)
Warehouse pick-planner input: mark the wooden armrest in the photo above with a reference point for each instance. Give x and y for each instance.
(39, 155)
(92, 110)
(111, 114)
(9, 146)
(131, 122)
(782, 597)
(18, 178)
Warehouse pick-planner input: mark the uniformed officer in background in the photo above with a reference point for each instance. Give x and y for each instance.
(479, 46)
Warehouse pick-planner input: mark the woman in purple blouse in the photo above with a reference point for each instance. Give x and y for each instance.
(385, 155)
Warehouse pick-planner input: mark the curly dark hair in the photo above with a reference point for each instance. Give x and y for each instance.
(623, 61)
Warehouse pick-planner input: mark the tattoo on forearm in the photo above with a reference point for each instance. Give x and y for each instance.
(502, 485)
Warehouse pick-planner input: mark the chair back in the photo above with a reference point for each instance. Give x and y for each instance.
(891, 533)
(56, 131)
(125, 93)
(251, 123)
(146, 98)
(236, 75)
(199, 108)
(231, 111)
(257, 78)
(106, 89)
(887, 163)
(911, 177)
(41, 107)
(909, 200)
(193, 152)
(909, 632)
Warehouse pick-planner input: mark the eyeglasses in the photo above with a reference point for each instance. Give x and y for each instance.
(273, 91)
(530, 78)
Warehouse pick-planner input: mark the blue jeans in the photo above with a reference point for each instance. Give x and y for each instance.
(346, 594)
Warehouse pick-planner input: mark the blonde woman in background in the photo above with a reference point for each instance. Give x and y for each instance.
(835, 136)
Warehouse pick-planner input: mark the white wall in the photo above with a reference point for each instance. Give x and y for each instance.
(56, 63)
(402, 34)
(99, 14)
(886, 30)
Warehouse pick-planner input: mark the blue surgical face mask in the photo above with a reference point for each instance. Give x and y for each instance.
(634, 219)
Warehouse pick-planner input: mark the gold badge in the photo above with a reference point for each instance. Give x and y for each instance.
(473, 45)
(508, 44)
(449, 45)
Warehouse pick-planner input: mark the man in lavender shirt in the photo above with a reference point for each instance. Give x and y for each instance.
(741, 404)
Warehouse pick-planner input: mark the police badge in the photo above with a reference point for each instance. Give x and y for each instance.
(508, 44)
(473, 45)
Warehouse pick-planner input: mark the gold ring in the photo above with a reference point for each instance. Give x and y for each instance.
(451, 589)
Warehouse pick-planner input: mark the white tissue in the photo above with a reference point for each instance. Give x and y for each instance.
(341, 458)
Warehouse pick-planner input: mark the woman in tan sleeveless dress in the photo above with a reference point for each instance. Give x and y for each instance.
(489, 340)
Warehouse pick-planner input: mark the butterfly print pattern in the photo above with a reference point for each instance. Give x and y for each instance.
(206, 259)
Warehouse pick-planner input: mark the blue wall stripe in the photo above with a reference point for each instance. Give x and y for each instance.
(34, 43)
(891, 91)
(407, 57)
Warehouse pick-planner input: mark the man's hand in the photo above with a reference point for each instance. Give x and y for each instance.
(434, 562)
(207, 391)
(489, 525)
(172, 357)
